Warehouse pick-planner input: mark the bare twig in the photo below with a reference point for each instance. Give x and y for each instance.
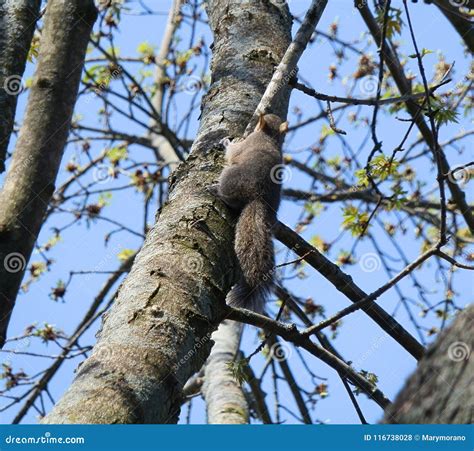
(345, 284)
(373, 296)
(369, 102)
(86, 322)
(287, 67)
(404, 87)
(290, 333)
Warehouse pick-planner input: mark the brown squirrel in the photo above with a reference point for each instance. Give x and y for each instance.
(249, 184)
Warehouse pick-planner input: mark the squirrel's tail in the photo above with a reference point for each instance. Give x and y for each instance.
(254, 250)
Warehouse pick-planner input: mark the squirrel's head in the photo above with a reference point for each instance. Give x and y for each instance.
(272, 125)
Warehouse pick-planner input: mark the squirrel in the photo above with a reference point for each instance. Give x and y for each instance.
(249, 185)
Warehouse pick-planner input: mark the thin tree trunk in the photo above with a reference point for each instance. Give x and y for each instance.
(164, 148)
(30, 181)
(442, 388)
(157, 334)
(17, 25)
(225, 400)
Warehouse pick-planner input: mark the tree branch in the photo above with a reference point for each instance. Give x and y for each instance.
(286, 69)
(290, 333)
(398, 74)
(345, 285)
(29, 184)
(225, 400)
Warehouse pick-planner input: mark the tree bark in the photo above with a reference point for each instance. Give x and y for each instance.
(225, 400)
(30, 181)
(157, 334)
(17, 25)
(442, 388)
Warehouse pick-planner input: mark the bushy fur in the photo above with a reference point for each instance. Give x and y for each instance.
(248, 185)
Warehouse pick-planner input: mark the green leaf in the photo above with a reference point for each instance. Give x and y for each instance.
(355, 221)
(34, 49)
(362, 178)
(116, 154)
(383, 167)
(394, 21)
(423, 53)
(125, 254)
(146, 49)
(325, 132)
(104, 199)
(237, 369)
(313, 208)
(371, 378)
(184, 57)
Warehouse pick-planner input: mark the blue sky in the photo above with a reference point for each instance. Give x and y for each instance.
(360, 340)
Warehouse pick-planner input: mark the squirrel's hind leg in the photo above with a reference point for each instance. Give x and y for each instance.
(234, 204)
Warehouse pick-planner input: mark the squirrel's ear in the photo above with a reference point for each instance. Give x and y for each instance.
(261, 122)
(283, 127)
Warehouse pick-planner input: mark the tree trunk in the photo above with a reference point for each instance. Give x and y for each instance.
(157, 334)
(225, 400)
(30, 181)
(442, 388)
(17, 25)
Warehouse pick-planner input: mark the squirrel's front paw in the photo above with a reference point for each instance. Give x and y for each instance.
(225, 142)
